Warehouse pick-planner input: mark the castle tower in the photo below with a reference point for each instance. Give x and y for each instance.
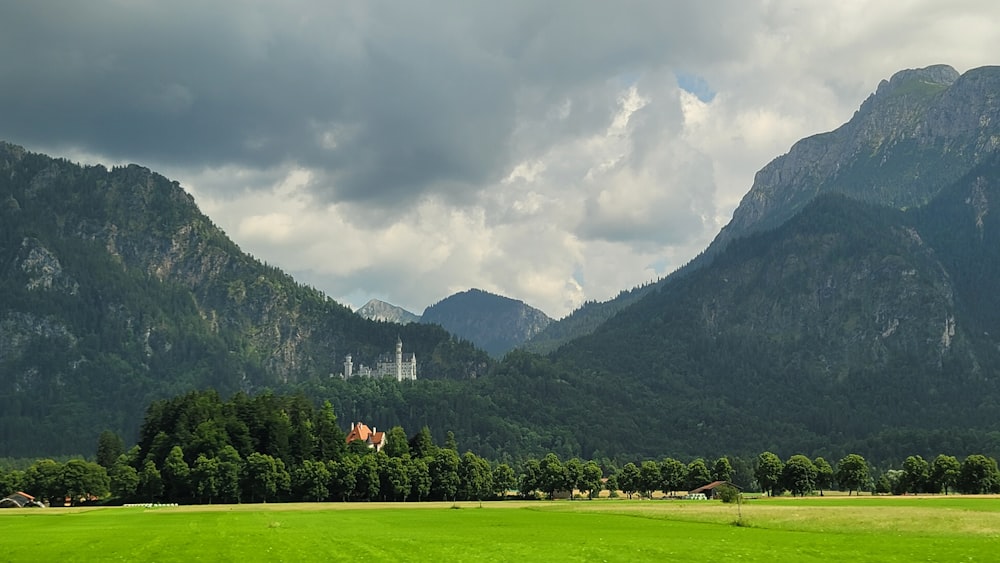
(348, 367)
(399, 359)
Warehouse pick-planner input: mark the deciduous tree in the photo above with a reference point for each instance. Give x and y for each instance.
(443, 470)
(503, 479)
(591, 479)
(420, 478)
(123, 479)
(943, 473)
(722, 470)
(82, 480)
(475, 477)
(150, 482)
(916, 472)
(628, 479)
(530, 479)
(977, 475)
(698, 474)
(799, 475)
(176, 474)
(260, 476)
(649, 477)
(553, 475)
(310, 481)
(852, 473)
(673, 475)
(768, 473)
(205, 478)
(824, 474)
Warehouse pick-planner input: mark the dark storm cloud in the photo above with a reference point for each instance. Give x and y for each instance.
(385, 101)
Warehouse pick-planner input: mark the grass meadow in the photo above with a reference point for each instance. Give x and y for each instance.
(782, 529)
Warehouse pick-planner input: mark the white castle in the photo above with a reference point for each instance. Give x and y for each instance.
(400, 369)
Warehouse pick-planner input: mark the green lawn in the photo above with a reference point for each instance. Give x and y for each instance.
(856, 529)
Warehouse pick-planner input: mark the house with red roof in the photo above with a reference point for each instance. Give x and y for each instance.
(370, 436)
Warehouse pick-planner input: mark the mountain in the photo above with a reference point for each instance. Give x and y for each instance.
(115, 290)
(850, 327)
(850, 303)
(494, 323)
(583, 320)
(921, 130)
(376, 310)
(850, 306)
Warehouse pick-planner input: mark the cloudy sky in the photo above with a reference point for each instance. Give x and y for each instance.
(550, 151)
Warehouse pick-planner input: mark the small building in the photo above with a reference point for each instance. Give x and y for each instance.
(19, 500)
(370, 436)
(709, 490)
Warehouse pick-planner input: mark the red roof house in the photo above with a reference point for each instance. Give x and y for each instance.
(370, 436)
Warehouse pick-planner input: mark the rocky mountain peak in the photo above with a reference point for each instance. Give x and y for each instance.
(935, 75)
(377, 310)
(922, 129)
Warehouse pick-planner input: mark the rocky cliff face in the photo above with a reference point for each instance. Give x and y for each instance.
(922, 129)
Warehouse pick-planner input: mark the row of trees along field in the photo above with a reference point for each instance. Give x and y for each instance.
(417, 469)
(197, 448)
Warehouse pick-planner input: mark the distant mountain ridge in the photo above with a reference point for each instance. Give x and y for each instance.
(494, 323)
(376, 310)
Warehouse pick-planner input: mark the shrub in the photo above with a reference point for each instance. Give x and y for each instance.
(728, 493)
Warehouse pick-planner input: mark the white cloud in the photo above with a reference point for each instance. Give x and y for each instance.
(407, 151)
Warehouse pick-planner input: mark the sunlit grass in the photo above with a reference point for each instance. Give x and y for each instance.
(856, 529)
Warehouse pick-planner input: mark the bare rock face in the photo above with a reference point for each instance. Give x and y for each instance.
(922, 129)
(376, 310)
(44, 270)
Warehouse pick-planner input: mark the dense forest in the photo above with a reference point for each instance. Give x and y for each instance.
(197, 448)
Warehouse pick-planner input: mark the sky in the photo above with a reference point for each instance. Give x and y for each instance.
(554, 152)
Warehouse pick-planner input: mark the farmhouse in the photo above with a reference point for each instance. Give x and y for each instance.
(19, 500)
(370, 436)
(709, 490)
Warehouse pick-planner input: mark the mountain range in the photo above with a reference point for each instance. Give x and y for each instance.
(494, 323)
(850, 305)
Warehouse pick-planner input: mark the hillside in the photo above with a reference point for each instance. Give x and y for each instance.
(850, 306)
(115, 290)
(844, 328)
(494, 323)
(920, 131)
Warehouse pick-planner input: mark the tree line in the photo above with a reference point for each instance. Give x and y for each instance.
(196, 448)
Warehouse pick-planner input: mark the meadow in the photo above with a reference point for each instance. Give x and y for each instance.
(782, 529)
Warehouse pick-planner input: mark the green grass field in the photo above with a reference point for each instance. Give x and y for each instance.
(812, 529)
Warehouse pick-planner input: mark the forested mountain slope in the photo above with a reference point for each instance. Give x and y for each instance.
(847, 324)
(921, 130)
(115, 289)
(493, 322)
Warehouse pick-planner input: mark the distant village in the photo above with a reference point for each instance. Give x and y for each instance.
(389, 367)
